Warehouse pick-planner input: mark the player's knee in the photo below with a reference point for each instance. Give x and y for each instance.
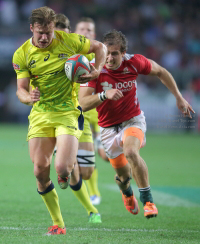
(64, 170)
(124, 176)
(41, 172)
(123, 180)
(132, 155)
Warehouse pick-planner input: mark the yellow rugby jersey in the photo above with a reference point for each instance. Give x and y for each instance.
(45, 67)
(90, 56)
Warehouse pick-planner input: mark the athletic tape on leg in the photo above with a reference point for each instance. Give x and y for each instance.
(86, 158)
(125, 182)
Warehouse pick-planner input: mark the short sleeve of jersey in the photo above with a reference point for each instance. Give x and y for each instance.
(91, 83)
(142, 64)
(19, 64)
(79, 44)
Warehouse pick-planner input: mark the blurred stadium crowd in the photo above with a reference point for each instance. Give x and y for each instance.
(166, 31)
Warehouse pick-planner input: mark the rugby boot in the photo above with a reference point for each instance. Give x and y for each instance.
(95, 218)
(55, 230)
(150, 210)
(131, 204)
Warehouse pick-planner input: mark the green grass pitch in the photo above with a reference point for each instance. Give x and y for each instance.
(174, 168)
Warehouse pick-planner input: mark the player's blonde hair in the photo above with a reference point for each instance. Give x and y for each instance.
(42, 16)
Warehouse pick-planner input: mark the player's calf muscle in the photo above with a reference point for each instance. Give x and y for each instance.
(123, 177)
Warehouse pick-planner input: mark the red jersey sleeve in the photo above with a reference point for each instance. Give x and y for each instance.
(91, 83)
(142, 64)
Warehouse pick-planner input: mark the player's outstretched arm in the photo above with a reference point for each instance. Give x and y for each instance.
(100, 51)
(24, 95)
(168, 80)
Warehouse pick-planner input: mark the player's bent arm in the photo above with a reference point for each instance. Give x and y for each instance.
(23, 90)
(100, 51)
(24, 93)
(165, 77)
(168, 80)
(87, 100)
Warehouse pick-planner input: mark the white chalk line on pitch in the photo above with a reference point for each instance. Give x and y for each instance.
(159, 197)
(105, 229)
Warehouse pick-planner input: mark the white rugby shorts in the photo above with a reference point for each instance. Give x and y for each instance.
(111, 137)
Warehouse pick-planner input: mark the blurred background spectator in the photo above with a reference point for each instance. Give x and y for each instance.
(166, 31)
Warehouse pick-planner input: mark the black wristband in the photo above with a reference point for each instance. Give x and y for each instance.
(102, 96)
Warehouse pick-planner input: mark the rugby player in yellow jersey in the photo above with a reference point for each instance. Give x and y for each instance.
(86, 152)
(78, 186)
(54, 118)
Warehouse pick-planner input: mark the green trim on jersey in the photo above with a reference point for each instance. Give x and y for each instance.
(45, 67)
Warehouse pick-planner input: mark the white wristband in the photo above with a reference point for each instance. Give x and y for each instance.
(102, 96)
(99, 96)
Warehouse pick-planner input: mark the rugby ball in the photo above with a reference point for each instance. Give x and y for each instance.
(76, 66)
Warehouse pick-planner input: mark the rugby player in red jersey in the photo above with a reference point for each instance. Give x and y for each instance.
(122, 122)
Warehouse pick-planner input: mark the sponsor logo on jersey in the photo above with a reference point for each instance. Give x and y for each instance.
(122, 86)
(125, 85)
(16, 66)
(47, 57)
(32, 64)
(62, 56)
(125, 71)
(82, 38)
(104, 71)
(106, 86)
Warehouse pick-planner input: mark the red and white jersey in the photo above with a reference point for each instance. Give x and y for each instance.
(123, 78)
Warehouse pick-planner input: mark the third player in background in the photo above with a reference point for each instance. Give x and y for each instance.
(86, 152)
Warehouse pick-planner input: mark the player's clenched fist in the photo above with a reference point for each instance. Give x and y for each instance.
(35, 95)
(114, 94)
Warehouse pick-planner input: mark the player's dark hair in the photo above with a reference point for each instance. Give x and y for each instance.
(86, 19)
(42, 16)
(114, 37)
(62, 22)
